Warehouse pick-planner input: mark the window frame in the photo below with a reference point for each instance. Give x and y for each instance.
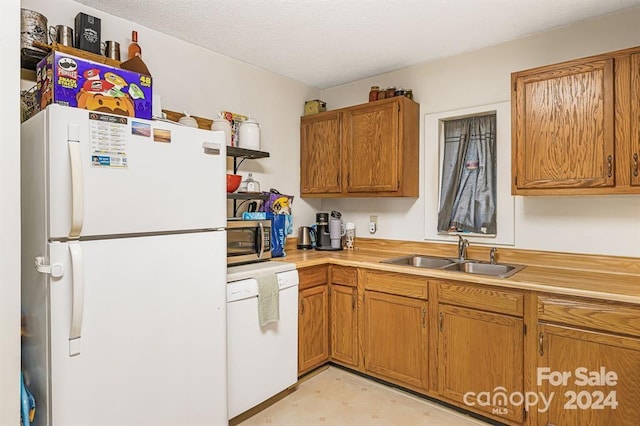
(433, 157)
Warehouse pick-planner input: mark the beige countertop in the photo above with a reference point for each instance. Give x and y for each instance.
(596, 277)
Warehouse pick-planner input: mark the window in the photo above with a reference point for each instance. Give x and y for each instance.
(468, 177)
(435, 151)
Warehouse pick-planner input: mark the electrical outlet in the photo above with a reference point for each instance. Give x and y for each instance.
(373, 224)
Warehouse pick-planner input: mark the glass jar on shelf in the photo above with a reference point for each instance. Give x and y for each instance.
(373, 93)
(391, 92)
(249, 185)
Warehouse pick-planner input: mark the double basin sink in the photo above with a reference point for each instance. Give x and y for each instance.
(476, 267)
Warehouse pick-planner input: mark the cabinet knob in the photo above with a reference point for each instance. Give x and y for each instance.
(635, 164)
(609, 165)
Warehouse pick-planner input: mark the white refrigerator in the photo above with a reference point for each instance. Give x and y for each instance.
(123, 270)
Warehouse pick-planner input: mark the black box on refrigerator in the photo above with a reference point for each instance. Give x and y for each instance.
(88, 33)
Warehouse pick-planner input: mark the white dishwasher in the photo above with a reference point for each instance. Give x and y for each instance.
(262, 361)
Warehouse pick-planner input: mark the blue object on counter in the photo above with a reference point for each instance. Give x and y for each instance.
(27, 403)
(254, 215)
(281, 225)
(278, 233)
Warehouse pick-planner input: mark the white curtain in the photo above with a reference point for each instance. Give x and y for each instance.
(468, 190)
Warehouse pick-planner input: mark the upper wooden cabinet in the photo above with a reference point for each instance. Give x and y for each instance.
(634, 137)
(320, 154)
(368, 150)
(575, 126)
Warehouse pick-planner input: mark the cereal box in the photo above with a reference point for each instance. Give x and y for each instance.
(72, 81)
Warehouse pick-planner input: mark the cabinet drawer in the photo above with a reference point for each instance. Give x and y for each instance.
(344, 275)
(612, 317)
(311, 277)
(481, 297)
(398, 284)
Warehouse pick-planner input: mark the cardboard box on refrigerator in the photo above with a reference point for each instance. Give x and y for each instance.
(68, 80)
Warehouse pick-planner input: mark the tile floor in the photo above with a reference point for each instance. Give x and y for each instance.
(337, 397)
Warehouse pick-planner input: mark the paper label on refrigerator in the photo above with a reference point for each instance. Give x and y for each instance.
(108, 135)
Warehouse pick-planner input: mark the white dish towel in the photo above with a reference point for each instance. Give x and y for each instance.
(268, 299)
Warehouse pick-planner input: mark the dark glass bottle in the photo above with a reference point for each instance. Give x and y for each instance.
(134, 47)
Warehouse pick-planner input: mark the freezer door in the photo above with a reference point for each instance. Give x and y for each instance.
(151, 347)
(110, 174)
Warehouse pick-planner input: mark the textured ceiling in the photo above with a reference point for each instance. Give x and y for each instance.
(325, 43)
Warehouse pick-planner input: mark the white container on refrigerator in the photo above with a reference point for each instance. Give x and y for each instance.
(126, 313)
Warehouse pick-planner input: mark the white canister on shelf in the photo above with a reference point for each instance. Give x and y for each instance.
(249, 134)
(188, 120)
(223, 125)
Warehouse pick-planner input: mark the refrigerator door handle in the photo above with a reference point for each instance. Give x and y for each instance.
(211, 148)
(77, 182)
(77, 297)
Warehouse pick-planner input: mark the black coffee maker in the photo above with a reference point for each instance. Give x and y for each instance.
(323, 237)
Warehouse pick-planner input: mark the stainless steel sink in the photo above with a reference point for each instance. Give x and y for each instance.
(500, 270)
(420, 261)
(483, 268)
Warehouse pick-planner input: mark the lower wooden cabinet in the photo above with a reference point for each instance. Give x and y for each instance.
(587, 362)
(313, 319)
(590, 378)
(344, 325)
(395, 339)
(480, 353)
(466, 344)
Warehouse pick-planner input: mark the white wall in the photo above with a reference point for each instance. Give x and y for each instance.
(188, 77)
(595, 224)
(191, 78)
(9, 213)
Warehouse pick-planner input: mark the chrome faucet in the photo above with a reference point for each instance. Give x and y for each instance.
(492, 255)
(463, 244)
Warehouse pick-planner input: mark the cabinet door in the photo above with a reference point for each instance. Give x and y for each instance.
(395, 339)
(635, 121)
(563, 127)
(479, 352)
(565, 350)
(344, 324)
(320, 156)
(372, 148)
(313, 327)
